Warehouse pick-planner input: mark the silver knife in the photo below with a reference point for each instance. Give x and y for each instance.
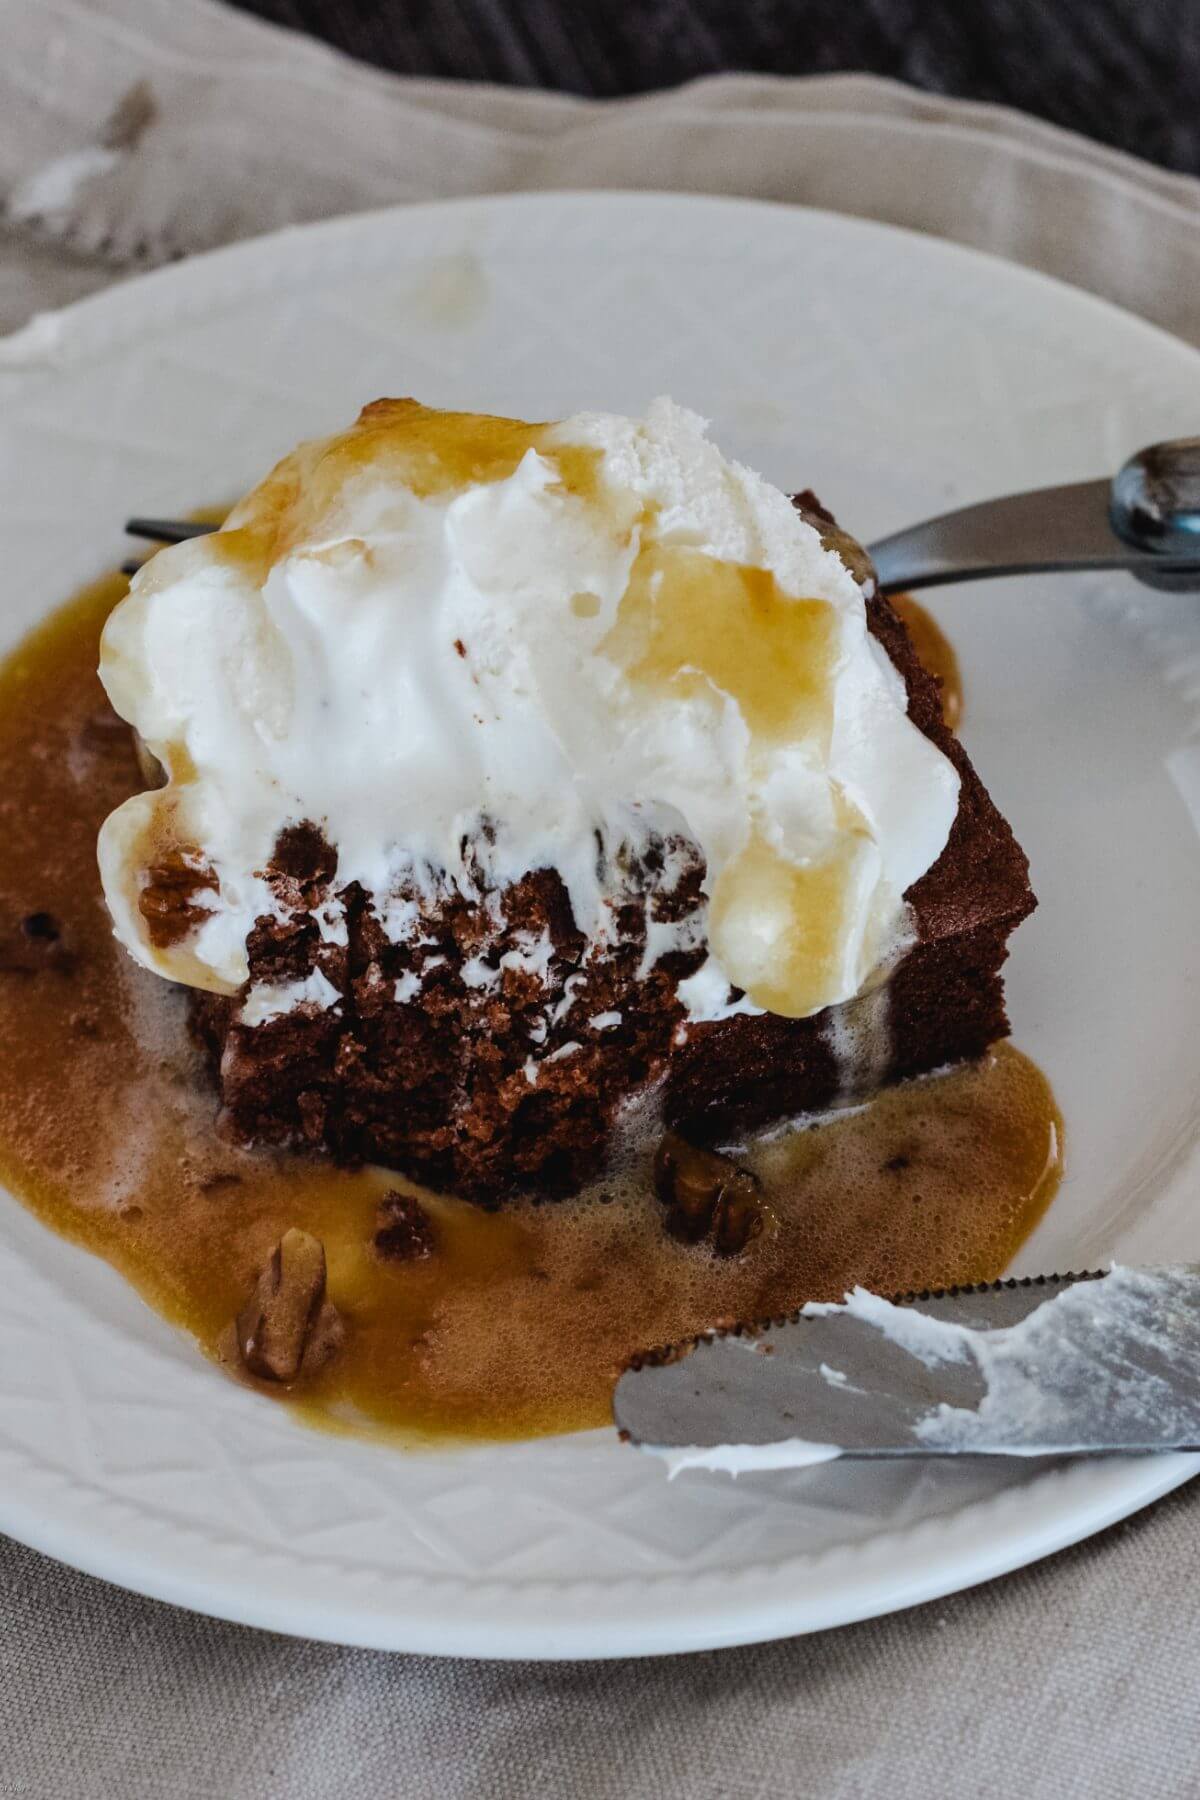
(1047, 1365)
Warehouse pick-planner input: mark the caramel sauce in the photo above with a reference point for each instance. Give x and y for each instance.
(519, 1321)
(936, 652)
(690, 624)
(420, 448)
(798, 911)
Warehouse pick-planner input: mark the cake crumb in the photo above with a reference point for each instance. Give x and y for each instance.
(406, 1231)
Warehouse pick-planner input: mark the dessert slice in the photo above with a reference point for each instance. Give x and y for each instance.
(516, 773)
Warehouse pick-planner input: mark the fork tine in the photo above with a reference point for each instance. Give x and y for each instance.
(167, 531)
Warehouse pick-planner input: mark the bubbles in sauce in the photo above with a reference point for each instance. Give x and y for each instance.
(519, 1321)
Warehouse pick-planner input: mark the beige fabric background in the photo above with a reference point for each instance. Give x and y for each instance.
(1080, 1677)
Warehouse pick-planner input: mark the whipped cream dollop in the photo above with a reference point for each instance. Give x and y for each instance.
(467, 648)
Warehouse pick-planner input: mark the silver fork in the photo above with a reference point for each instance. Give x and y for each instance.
(1146, 520)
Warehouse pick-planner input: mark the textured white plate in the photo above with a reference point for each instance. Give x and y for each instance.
(897, 375)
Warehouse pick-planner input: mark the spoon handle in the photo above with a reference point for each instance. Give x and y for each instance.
(1049, 530)
(167, 531)
(1146, 520)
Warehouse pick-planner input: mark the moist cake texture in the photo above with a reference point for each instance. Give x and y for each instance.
(482, 1015)
(441, 1087)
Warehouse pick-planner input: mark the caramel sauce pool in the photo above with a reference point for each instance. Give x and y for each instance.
(521, 1320)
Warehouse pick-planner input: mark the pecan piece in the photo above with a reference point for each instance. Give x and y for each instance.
(166, 902)
(279, 1321)
(707, 1196)
(406, 1231)
(738, 1218)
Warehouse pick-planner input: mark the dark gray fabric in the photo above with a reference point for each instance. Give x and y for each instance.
(1124, 71)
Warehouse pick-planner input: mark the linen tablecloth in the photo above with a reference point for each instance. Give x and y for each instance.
(136, 130)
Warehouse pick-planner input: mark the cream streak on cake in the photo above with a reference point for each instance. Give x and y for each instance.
(468, 648)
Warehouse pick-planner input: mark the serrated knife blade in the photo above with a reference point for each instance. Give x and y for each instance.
(1045, 1365)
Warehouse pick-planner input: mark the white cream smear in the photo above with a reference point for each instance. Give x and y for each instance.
(468, 648)
(743, 1459)
(1098, 1350)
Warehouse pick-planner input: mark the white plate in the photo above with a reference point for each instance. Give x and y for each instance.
(897, 375)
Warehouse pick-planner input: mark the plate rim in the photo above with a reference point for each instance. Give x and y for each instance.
(1111, 1489)
(37, 347)
(1087, 1496)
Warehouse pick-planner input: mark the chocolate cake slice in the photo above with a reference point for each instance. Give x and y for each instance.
(481, 1016)
(441, 1090)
